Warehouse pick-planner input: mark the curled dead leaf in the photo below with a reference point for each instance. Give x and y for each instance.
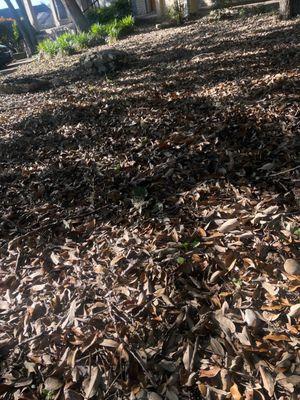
(229, 225)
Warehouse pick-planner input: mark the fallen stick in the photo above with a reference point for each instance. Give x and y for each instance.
(285, 171)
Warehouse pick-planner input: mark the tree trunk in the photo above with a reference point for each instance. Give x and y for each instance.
(80, 20)
(289, 8)
(29, 45)
(30, 29)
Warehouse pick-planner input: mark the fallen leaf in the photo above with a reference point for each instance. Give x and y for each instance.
(268, 381)
(229, 225)
(235, 393)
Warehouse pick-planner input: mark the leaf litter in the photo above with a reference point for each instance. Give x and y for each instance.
(147, 221)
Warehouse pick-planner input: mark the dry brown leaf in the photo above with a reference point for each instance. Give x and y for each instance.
(109, 343)
(153, 396)
(52, 384)
(276, 337)
(187, 357)
(235, 393)
(294, 311)
(268, 380)
(92, 383)
(209, 373)
(229, 225)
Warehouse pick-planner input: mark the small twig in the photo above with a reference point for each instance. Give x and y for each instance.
(131, 351)
(110, 386)
(18, 263)
(285, 171)
(141, 363)
(31, 338)
(89, 355)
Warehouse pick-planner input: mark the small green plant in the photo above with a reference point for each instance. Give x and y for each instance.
(48, 46)
(237, 282)
(296, 231)
(83, 40)
(16, 32)
(48, 394)
(126, 24)
(176, 12)
(114, 31)
(185, 246)
(180, 260)
(70, 43)
(99, 30)
(66, 43)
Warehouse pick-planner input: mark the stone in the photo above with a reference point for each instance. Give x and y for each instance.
(292, 266)
(103, 62)
(88, 64)
(101, 69)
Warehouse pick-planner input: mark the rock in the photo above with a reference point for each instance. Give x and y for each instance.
(104, 61)
(88, 63)
(101, 70)
(292, 266)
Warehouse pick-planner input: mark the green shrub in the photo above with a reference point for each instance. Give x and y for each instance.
(48, 46)
(99, 30)
(105, 15)
(66, 43)
(83, 40)
(119, 28)
(126, 24)
(176, 12)
(113, 31)
(9, 33)
(70, 43)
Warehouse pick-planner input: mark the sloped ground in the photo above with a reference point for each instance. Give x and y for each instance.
(146, 219)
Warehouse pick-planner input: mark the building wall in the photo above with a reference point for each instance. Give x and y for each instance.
(140, 7)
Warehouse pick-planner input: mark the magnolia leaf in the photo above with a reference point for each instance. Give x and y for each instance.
(153, 396)
(109, 343)
(229, 225)
(268, 381)
(52, 384)
(187, 357)
(92, 383)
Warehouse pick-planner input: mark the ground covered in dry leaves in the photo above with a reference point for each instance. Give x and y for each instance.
(146, 219)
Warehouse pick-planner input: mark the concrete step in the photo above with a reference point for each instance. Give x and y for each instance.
(19, 56)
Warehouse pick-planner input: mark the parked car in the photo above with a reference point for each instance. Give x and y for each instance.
(5, 55)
